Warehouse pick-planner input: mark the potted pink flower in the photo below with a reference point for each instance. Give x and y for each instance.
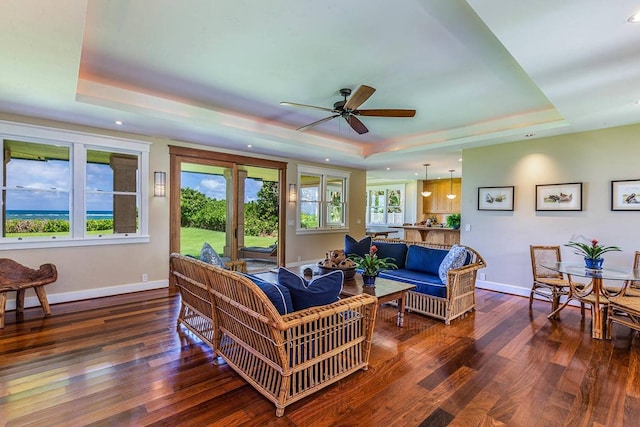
(370, 265)
(592, 253)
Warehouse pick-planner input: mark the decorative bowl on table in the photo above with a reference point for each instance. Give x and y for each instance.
(336, 260)
(349, 273)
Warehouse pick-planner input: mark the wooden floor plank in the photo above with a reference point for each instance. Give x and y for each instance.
(123, 361)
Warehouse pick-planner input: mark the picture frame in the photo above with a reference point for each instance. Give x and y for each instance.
(625, 195)
(559, 197)
(496, 198)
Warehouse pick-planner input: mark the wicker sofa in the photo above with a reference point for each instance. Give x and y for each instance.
(284, 357)
(445, 301)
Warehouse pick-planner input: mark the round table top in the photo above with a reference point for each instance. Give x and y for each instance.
(609, 272)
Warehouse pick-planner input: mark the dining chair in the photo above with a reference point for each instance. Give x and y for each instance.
(624, 308)
(634, 287)
(549, 284)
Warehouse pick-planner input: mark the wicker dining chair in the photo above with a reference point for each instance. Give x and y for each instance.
(634, 287)
(624, 308)
(549, 284)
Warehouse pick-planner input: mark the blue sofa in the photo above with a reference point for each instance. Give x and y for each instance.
(419, 264)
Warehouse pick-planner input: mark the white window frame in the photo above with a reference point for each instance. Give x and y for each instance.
(323, 209)
(387, 189)
(79, 143)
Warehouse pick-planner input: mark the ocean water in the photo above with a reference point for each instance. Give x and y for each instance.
(45, 214)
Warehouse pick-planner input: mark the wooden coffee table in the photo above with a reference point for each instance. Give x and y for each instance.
(386, 290)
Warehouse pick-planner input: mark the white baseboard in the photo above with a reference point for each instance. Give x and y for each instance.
(91, 293)
(512, 290)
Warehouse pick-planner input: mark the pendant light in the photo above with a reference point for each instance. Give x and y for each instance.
(451, 196)
(426, 193)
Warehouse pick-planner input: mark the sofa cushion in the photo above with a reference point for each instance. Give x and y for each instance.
(429, 284)
(320, 290)
(354, 247)
(279, 295)
(210, 256)
(425, 260)
(397, 251)
(454, 259)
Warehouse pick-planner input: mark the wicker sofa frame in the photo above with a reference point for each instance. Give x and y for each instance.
(284, 357)
(461, 285)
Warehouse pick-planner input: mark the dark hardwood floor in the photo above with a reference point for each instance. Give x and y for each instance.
(120, 361)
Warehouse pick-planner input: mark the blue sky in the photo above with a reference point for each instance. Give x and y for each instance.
(214, 186)
(55, 174)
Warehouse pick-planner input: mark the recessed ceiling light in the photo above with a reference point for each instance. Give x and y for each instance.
(388, 169)
(635, 18)
(249, 146)
(118, 122)
(416, 173)
(460, 159)
(327, 160)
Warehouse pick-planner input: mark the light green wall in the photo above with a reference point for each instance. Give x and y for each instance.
(503, 238)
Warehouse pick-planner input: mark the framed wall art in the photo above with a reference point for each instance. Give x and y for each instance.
(625, 195)
(495, 198)
(559, 197)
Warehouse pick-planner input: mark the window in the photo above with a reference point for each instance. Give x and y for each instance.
(68, 188)
(322, 199)
(385, 206)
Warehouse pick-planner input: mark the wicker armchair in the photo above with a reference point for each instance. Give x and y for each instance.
(461, 287)
(286, 358)
(16, 277)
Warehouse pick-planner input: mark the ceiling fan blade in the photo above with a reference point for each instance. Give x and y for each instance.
(356, 124)
(386, 113)
(358, 97)
(293, 104)
(310, 125)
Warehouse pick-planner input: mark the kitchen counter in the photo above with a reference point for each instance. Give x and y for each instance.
(422, 233)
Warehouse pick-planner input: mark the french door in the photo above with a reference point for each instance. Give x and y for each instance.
(215, 198)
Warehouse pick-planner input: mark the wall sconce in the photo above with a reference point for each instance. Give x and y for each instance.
(159, 184)
(293, 193)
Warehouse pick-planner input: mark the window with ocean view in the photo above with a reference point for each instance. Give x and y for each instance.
(65, 190)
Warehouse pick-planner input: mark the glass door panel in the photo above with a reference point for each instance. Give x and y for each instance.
(258, 216)
(206, 209)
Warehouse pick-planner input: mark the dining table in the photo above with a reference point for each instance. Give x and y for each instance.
(595, 291)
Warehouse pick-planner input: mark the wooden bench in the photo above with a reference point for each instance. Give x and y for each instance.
(16, 277)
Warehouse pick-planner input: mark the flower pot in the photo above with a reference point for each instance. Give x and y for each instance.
(369, 280)
(593, 263)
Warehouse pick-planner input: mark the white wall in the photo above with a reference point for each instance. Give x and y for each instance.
(503, 238)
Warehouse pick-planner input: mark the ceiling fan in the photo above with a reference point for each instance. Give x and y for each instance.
(349, 109)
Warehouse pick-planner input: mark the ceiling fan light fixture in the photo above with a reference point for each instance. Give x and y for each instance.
(426, 193)
(451, 196)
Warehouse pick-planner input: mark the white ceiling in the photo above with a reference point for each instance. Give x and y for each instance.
(478, 72)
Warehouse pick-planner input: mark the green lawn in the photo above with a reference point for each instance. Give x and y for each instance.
(192, 239)
(56, 233)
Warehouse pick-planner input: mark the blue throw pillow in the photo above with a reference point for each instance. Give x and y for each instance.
(423, 259)
(320, 290)
(279, 295)
(396, 251)
(455, 259)
(210, 256)
(354, 247)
